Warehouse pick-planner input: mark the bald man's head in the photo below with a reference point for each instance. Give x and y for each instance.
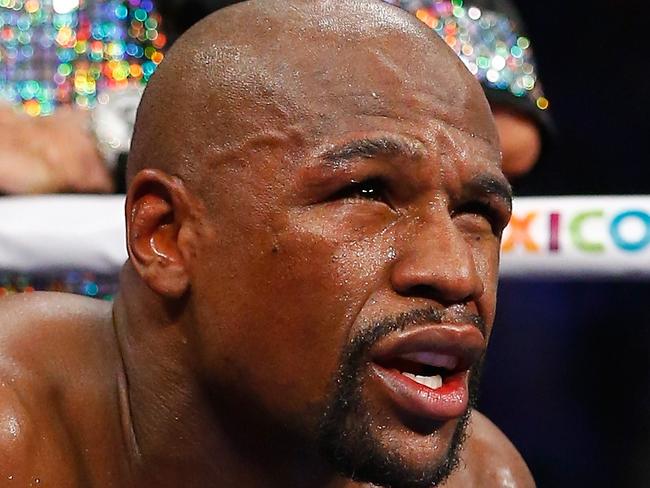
(254, 71)
(315, 190)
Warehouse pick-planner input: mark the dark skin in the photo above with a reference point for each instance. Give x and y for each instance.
(307, 197)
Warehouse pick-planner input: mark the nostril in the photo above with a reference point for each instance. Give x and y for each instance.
(423, 291)
(442, 296)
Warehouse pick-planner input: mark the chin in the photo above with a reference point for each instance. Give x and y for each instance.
(418, 445)
(397, 452)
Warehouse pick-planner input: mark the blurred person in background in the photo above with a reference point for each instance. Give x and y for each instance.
(490, 38)
(71, 77)
(61, 58)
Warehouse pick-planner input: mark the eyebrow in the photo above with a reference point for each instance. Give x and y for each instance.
(491, 185)
(369, 148)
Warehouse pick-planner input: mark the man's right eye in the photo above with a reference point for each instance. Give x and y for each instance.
(370, 189)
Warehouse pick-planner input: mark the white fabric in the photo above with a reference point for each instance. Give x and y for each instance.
(57, 232)
(596, 236)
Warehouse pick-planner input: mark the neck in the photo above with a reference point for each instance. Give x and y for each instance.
(178, 430)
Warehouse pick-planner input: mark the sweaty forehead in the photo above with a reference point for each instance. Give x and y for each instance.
(323, 65)
(411, 81)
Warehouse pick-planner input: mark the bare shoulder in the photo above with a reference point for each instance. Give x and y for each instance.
(49, 306)
(45, 342)
(15, 438)
(55, 334)
(19, 440)
(34, 327)
(492, 458)
(34, 444)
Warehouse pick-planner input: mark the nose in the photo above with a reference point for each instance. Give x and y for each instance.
(436, 261)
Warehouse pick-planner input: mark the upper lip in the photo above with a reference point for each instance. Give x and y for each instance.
(463, 341)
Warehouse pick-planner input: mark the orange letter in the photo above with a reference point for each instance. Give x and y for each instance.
(520, 233)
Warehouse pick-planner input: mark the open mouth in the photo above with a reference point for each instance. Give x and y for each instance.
(425, 372)
(428, 369)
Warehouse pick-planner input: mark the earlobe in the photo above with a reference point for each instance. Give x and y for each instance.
(156, 210)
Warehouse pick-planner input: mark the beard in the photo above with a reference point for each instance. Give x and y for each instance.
(345, 435)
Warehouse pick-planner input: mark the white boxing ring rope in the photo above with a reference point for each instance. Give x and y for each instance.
(554, 237)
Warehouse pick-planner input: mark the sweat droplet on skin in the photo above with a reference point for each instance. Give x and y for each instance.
(392, 253)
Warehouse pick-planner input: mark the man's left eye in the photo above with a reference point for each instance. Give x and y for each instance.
(371, 189)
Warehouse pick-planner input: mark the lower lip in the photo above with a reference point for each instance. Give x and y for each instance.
(445, 403)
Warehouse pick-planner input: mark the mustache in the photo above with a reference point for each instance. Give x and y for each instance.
(378, 329)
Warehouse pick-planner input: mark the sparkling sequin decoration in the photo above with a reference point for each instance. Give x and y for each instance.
(486, 42)
(78, 282)
(70, 51)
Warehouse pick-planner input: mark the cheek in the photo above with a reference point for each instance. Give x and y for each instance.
(347, 250)
(343, 222)
(485, 252)
(484, 246)
(276, 309)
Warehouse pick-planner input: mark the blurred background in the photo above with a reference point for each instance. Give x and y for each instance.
(568, 370)
(592, 61)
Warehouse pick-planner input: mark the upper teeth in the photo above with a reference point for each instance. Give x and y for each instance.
(433, 382)
(433, 359)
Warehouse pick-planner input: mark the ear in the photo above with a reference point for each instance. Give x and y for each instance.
(158, 216)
